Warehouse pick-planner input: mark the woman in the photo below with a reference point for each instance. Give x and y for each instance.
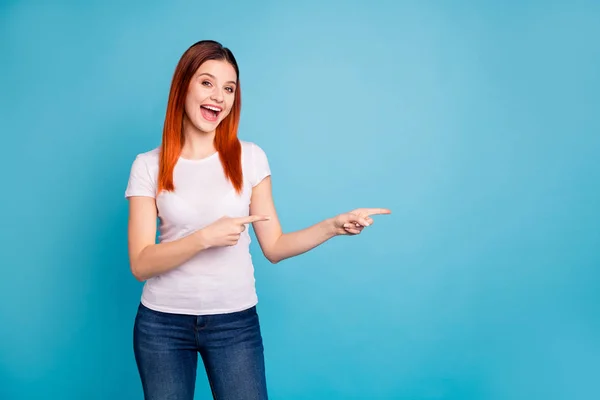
(205, 186)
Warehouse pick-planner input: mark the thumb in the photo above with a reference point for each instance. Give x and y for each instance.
(252, 218)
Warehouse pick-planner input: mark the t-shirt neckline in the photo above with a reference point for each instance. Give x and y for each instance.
(199, 160)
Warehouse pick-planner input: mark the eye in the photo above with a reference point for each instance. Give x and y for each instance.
(229, 89)
(206, 83)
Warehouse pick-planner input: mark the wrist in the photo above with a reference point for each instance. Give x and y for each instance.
(330, 227)
(201, 240)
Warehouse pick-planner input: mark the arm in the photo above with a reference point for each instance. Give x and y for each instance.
(277, 246)
(148, 259)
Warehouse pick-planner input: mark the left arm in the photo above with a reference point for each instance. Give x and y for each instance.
(277, 246)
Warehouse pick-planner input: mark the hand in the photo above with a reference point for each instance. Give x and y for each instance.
(226, 231)
(353, 222)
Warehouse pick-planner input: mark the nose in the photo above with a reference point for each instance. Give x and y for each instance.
(217, 95)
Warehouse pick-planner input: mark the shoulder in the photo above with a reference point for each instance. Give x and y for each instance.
(149, 157)
(146, 164)
(247, 146)
(148, 160)
(256, 161)
(251, 150)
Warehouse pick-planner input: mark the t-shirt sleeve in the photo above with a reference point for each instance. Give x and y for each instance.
(260, 165)
(140, 181)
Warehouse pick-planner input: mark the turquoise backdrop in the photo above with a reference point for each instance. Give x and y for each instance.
(477, 123)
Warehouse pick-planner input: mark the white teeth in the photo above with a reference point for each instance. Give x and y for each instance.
(212, 108)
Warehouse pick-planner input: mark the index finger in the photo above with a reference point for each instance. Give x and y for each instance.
(252, 218)
(374, 211)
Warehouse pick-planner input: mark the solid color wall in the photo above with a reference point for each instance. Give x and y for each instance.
(476, 123)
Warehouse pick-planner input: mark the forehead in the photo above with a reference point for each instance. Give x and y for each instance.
(220, 69)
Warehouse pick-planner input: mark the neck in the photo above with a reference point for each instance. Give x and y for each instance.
(197, 144)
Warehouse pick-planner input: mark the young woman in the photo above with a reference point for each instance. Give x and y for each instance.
(206, 186)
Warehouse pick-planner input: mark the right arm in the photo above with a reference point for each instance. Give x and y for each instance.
(148, 259)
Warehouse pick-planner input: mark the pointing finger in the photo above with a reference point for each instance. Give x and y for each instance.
(252, 218)
(374, 211)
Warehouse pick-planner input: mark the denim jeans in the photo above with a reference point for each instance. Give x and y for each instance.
(166, 348)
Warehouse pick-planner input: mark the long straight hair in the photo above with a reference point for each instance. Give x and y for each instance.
(226, 141)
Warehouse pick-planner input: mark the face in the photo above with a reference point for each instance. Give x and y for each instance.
(210, 95)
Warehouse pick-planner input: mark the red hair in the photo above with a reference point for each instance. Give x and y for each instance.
(226, 141)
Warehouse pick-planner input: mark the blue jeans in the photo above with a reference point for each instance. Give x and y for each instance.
(166, 348)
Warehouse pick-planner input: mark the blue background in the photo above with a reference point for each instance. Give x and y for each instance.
(477, 123)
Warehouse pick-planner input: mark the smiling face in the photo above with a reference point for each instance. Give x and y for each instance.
(210, 95)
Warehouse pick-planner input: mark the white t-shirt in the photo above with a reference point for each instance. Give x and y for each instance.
(216, 280)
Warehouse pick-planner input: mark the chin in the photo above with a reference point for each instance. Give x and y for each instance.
(206, 127)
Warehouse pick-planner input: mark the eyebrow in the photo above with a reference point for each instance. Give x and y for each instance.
(215, 78)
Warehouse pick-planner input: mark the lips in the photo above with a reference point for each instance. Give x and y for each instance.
(210, 112)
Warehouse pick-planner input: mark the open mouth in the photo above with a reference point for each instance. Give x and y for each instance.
(210, 113)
